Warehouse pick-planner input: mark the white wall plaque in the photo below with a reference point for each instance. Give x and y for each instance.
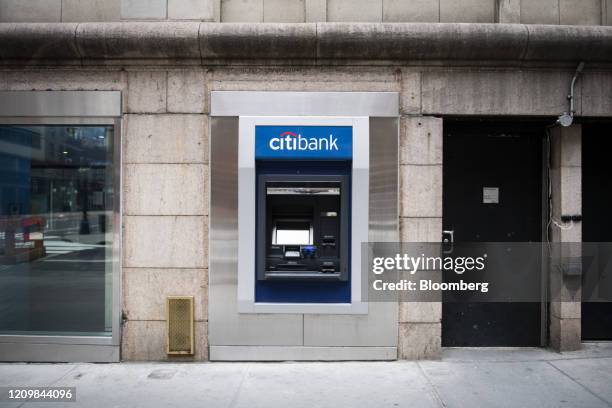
(490, 195)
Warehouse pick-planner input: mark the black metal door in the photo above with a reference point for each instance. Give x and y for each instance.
(596, 219)
(506, 157)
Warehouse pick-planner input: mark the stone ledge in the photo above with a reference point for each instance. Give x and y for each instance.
(138, 40)
(38, 41)
(255, 41)
(309, 42)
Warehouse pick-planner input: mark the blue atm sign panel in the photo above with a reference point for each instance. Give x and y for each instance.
(304, 142)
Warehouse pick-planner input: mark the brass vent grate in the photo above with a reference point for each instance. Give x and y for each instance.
(179, 311)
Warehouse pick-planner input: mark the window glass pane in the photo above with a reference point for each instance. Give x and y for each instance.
(56, 232)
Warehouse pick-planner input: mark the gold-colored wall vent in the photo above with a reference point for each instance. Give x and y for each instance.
(179, 318)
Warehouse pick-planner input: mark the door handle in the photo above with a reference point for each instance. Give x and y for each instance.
(448, 240)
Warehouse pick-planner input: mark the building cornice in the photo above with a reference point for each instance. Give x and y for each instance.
(310, 43)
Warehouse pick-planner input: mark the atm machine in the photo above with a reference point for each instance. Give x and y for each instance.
(302, 228)
(297, 188)
(303, 177)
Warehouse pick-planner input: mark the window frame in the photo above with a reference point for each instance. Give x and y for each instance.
(86, 348)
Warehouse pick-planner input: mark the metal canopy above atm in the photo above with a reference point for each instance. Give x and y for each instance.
(264, 103)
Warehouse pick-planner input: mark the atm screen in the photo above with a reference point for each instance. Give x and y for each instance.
(292, 232)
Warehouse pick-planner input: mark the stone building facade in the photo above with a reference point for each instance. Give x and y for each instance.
(167, 70)
(564, 12)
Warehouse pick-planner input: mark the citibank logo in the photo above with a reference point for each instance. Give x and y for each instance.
(293, 141)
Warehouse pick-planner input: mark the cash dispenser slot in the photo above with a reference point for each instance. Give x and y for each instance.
(302, 228)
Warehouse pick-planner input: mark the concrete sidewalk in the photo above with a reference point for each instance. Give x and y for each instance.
(463, 378)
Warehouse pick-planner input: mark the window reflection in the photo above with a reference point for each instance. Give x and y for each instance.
(56, 206)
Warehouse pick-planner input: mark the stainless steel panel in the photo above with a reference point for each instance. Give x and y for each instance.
(63, 120)
(307, 308)
(252, 103)
(72, 353)
(265, 353)
(234, 336)
(117, 278)
(226, 325)
(379, 327)
(60, 103)
(384, 180)
(36, 339)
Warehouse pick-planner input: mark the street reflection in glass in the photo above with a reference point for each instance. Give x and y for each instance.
(56, 231)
